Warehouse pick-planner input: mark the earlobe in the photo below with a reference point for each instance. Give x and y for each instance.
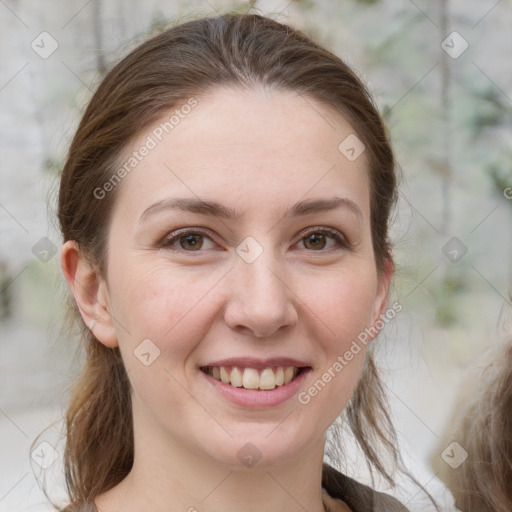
(90, 292)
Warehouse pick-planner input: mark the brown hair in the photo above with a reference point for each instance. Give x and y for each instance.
(164, 72)
(482, 425)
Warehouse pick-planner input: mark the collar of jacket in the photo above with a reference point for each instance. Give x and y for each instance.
(358, 497)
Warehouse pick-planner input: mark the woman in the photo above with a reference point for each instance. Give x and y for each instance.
(224, 209)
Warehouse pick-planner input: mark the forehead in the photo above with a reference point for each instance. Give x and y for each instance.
(245, 146)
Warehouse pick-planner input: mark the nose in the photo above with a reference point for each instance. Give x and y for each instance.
(260, 302)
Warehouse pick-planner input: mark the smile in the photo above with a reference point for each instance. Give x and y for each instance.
(252, 378)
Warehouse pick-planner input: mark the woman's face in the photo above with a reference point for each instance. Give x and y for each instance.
(240, 247)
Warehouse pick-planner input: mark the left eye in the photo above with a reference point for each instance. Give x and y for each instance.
(323, 239)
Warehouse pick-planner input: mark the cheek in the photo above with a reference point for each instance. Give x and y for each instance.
(340, 307)
(170, 308)
(173, 312)
(343, 303)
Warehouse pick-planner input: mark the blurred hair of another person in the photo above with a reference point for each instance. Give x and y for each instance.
(479, 436)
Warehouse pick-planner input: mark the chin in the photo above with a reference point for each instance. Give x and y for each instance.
(260, 449)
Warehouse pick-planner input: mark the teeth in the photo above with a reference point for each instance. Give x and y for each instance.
(236, 377)
(280, 376)
(288, 374)
(267, 379)
(250, 378)
(224, 377)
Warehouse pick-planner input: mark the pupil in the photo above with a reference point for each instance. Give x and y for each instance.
(316, 241)
(191, 242)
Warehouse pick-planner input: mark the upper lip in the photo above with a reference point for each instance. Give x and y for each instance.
(258, 364)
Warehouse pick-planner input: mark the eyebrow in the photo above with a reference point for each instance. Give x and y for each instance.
(323, 205)
(211, 208)
(215, 209)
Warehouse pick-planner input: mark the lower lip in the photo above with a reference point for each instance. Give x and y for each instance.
(258, 398)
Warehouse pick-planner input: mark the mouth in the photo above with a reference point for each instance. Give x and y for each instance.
(264, 379)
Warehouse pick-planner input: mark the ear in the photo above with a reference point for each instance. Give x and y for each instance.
(381, 298)
(90, 292)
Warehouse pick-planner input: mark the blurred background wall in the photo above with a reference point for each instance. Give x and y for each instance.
(441, 74)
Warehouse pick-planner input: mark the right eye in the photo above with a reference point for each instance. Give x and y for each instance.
(188, 240)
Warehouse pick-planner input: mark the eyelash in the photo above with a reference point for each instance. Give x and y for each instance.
(339, 238)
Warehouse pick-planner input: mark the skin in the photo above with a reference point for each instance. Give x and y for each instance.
(259, 153)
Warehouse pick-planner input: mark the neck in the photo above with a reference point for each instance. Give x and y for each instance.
(168, 477)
